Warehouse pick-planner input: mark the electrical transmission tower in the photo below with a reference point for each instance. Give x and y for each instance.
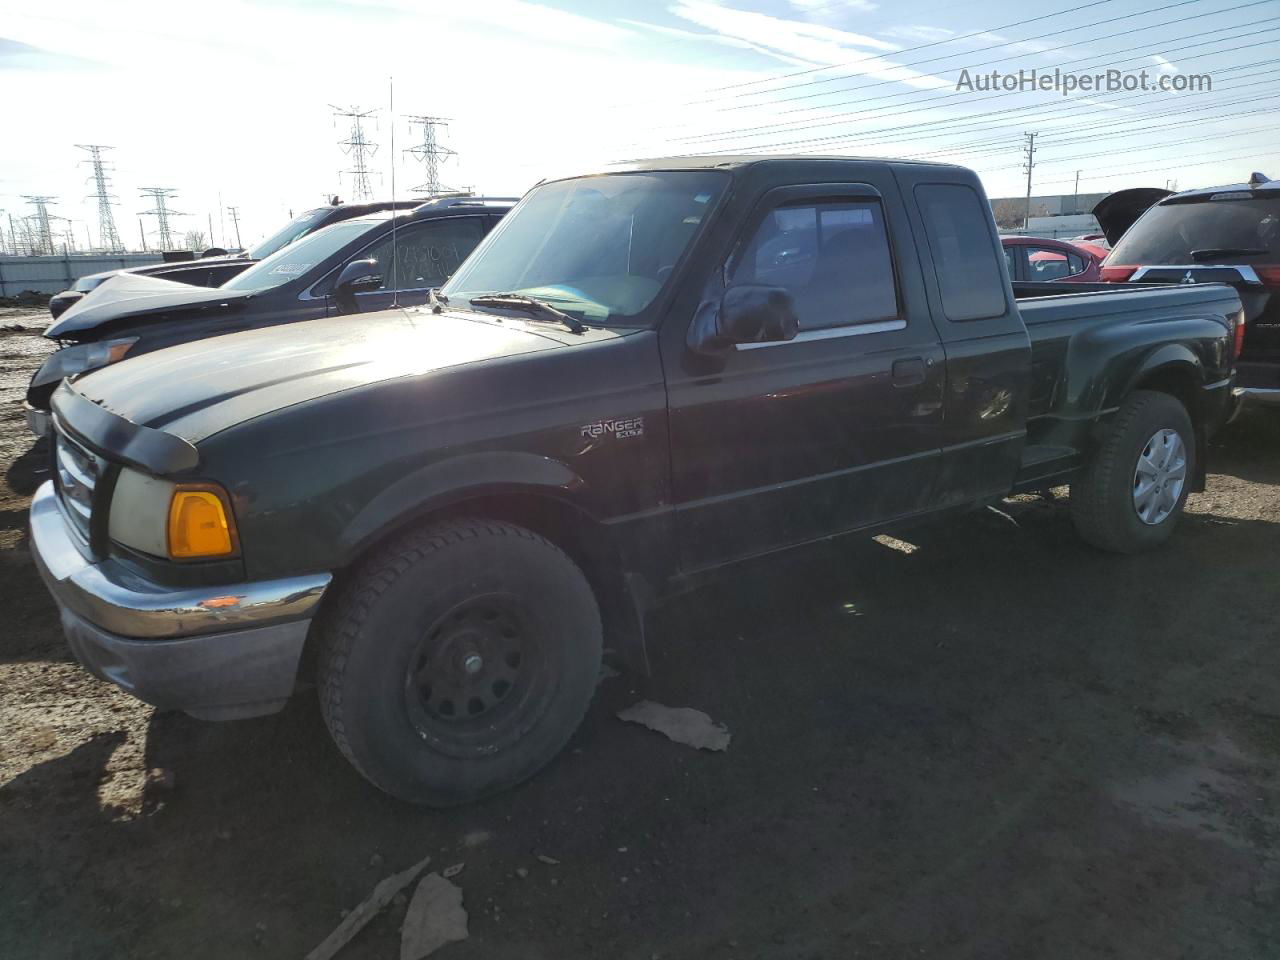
(42, 241)
(359, 149)
(108, 237)
(431, 152)
(1028, 164)
(162, 213)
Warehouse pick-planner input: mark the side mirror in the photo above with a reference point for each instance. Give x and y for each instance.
(745, 313)
(357, 274)
(213, 252)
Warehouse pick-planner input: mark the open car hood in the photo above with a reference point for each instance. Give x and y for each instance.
(1117, 212)
(136, 295)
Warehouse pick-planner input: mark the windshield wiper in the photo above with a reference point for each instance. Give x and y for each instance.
(539, 309)
(1217, 253)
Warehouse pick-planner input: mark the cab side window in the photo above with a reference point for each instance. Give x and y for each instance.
(425, 254)
(957, 225)
(832, 257)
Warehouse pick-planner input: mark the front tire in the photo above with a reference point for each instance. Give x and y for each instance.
(459, 660)
(1132, 493)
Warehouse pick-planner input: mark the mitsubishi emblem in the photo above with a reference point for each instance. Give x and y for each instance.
(1187, 278)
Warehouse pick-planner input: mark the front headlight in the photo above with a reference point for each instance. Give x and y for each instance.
(182, 521)
(81, 358)
(91, 282)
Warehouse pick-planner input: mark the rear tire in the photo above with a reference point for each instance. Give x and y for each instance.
(459, 660)
(1132, 493)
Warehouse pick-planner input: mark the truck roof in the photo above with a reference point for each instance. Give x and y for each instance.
(737, 162)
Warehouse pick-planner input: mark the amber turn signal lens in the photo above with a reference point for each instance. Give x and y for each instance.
(198, 525)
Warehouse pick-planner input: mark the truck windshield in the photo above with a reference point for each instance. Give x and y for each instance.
(300, 225)
(1169, 232)
(598, 248)
(297, 258)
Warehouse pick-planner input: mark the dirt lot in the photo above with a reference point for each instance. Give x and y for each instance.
(999, 744)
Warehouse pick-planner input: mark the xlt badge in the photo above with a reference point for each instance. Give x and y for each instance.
(621, 428)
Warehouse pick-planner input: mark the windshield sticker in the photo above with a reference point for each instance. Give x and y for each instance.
(702, 198)
(620, 429)
(290, 269)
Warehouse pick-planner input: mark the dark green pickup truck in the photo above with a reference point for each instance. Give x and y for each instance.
(443, 515)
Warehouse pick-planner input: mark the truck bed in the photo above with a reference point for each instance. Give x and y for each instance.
(1065, 324)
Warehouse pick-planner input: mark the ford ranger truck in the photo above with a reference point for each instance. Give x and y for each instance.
(442, 515)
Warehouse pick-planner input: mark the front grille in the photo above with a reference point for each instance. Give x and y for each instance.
(78, 472)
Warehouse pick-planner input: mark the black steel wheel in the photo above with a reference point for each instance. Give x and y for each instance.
(458, 660)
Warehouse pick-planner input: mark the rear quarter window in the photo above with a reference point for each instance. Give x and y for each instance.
(964, 255)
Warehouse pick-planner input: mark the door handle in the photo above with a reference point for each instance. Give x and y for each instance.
(908, 372)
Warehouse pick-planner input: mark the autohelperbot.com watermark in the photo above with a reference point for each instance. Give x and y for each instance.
(1067, 83)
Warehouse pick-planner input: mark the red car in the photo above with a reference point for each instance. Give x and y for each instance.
(1038, 258)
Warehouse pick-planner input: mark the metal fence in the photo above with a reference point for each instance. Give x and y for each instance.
(55, 274)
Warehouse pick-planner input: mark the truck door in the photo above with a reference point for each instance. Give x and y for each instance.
(988, 352)
(835, 430)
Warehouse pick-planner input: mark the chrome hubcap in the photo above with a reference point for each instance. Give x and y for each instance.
(1160, 476)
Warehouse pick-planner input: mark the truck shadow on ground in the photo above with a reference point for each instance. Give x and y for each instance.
(914, 723)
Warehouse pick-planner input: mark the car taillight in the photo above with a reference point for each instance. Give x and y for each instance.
(1117, 274)
(1270, 276)
(1237, 338)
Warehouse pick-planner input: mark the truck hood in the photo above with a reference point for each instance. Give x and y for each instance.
(136, 295)
(197, 389)
(1117, 211)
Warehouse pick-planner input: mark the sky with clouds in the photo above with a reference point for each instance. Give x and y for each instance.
(232, 99)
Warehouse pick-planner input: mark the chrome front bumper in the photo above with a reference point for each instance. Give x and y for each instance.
(38, 421)
(1262, 396)
(217, 652)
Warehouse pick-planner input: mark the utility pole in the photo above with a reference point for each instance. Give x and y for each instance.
(142, 234)
(1075, 200)
(1029, 153)
(431, 152)
(44, 232)
(108, 238)
(358, 148)
(160, 196)
(235, 218)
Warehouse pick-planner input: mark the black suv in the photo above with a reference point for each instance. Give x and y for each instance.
(1217, 235)
(216, 267)
(346, 267)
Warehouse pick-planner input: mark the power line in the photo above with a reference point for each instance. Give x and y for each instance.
(42, 241)
(896, 53)
(831, 120)
(359, 148)
(108, 236)
(160, 196)
(916, 131)
(431, 152)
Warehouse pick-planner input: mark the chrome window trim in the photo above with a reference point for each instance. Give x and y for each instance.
(831, 333)
(1247, 273)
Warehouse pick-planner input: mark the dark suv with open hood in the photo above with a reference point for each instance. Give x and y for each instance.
(1217, 235)
(343, 268)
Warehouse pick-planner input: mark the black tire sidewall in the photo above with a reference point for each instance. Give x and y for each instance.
(1159, 412)
(382, 739)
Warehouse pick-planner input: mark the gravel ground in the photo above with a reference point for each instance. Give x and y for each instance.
(984, 740)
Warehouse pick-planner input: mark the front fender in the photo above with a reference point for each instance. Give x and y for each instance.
(444, 483)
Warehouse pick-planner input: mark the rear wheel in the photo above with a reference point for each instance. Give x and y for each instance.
(1131, 495)
(459, 660)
